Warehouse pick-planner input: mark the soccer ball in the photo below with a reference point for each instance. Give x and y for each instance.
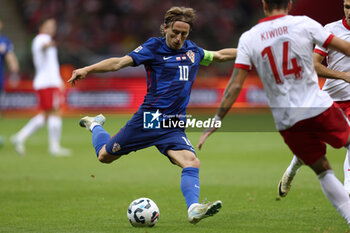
(143, 212)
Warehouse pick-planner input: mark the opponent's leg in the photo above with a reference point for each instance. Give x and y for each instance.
(190, 186)
(31, 127)
(332, 188)
(286, 181)
(347, 172)
(54, 127)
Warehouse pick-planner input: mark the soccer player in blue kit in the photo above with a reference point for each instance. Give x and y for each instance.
(171, 63)
(7, 55)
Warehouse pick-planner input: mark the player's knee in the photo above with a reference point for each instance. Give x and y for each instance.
(103, 159)
(321, 165)
(195, 162)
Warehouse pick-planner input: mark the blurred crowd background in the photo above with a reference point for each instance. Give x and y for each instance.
(91, 30)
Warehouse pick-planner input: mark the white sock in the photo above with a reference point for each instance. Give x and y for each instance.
(92, 126)
(293, 167)
(192, 206)
(347, 172)
(54, 126)
(335, 193)
(31, 127)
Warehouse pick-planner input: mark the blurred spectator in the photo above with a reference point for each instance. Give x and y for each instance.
(90, 30)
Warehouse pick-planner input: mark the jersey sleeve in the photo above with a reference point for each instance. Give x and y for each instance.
(243, 54)
(143, 53)
(39, 42)
(320, 36)
(8, 46)
(320, 49)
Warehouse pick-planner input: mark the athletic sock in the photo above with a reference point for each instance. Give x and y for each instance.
(54, 127)
(347, 172)
(293, 167)
(31, 127)
(100, 137)
(335, 193)
(190, 185)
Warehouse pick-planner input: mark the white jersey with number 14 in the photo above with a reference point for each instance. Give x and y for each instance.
(281, 49)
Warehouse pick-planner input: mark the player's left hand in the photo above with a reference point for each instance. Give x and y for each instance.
(77, 75)
(205, 135)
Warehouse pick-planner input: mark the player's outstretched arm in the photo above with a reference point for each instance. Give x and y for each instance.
(340, 45)
(222, 55)
(231, 93)
(111, 64)
(323, 71)
(13, 66)
(52, 43)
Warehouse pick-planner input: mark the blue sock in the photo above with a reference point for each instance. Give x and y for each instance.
(190, 185)
(100, 137)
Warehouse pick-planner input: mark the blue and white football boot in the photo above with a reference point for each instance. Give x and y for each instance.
(87, 122)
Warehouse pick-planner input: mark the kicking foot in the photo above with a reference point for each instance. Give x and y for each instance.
(284, 185)
(200, 211)
(18, 145)
(88, 121)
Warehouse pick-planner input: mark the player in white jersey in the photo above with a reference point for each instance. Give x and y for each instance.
(48, 84)
(338, 74)
(281, 49)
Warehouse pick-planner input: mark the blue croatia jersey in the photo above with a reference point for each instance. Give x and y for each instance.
(5, 47)
(170, 74)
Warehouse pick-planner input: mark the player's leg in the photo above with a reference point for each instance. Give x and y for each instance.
(345, 106)
(333, 128)
(190, 186)
(54, 127)
(50, 102)
(332, 187)
(100, 137)
(105, 157)
(30, 128)
(286, 181)
(190, 164)
(347, 171)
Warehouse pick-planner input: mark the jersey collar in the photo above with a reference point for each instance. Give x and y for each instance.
(273, 17)
(346, 25)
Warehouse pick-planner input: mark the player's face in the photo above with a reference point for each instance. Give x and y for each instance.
(49, 27)
(176, 34)
(347, 11)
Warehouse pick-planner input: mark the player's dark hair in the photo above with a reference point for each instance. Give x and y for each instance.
(43, 20)
(277, 4)
(177, 13)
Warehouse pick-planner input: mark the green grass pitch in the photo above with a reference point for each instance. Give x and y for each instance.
(40, 193)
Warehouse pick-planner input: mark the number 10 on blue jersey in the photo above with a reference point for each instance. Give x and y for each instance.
(184, 70)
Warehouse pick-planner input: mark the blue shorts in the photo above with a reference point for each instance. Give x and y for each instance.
(133, 137)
